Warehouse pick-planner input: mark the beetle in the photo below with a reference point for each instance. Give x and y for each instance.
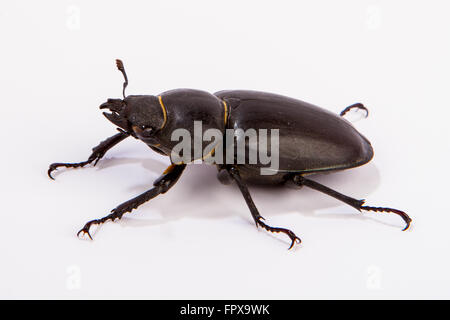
(311, 140)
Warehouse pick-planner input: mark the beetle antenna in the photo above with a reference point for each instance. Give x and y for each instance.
(121, 68)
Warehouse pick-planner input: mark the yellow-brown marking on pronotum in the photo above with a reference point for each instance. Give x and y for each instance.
(225, 115)
(163, 110)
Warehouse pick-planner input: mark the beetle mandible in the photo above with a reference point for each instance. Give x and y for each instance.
(311, 140)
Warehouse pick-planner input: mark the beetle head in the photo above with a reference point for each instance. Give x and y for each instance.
(139, 115)
(117, 114)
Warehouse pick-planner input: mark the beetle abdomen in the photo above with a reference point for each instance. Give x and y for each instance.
(311, 139)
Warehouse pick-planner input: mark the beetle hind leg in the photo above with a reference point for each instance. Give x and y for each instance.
(234, 173)
(358, 105)
(357, 204)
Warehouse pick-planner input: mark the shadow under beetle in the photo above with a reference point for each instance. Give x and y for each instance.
(311, 140)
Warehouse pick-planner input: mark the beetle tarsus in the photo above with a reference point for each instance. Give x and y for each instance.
(55, 166)
(113, 216)
(289, 233)
(97, 153)
(85, 229)
(402, 214)
(355, 106)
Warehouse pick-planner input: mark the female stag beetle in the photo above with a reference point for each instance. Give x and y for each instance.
(309, 140)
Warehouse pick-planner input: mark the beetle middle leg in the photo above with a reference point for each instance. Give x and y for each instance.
(234, 173)
(357, 204)
(160, 186)
(97, 153)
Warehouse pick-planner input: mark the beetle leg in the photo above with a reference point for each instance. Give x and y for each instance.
(161, 185)
(97, 153)
(353, 106)
(357, 204)
(254, 211)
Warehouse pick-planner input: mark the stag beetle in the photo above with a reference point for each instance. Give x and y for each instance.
(311, 140)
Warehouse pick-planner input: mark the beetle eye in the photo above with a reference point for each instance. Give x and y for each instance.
(146, 130)
(143, 130)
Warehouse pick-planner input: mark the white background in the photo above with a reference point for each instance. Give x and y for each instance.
(199, 240)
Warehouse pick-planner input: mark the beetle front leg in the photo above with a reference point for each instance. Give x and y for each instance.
(97, 153)
(357, 204)
(161, 185)
(234, 173)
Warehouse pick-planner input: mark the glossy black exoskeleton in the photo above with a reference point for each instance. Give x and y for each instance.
(311, 140)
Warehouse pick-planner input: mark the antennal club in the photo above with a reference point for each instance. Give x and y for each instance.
(121, 68)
